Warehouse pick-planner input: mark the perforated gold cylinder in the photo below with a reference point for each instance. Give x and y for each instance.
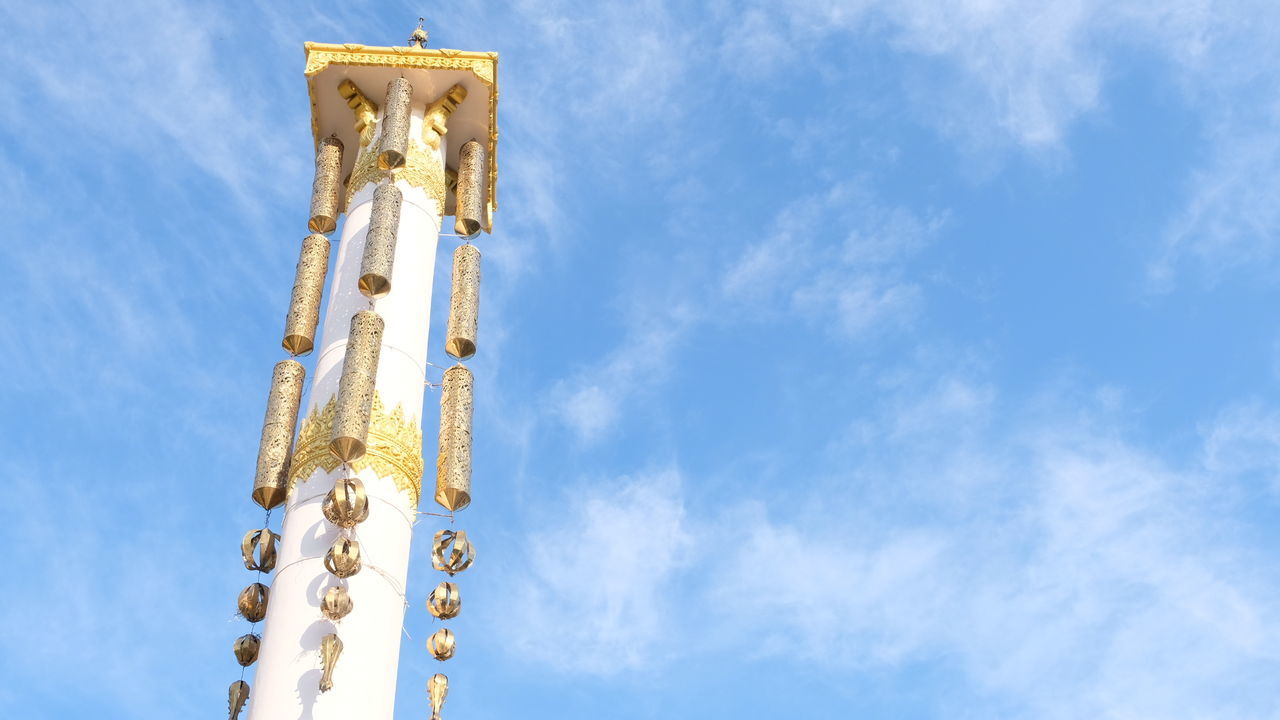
(464, 303)
(271, 483)
(395, 125)
(469, 208)
(355, 386)
(453, 466)
(308, 288)
(380, 242)
(324, 191)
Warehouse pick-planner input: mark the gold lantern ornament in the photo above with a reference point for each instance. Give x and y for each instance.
(451, 552)
(330, 649)
(437, 690)
(469, 212)
(259, 550)
(441, 644)
(464, 303)
(356, 386)
(343, 559)
(246, 649)
(445, 602)
(336, 604)
(237, 696)
(378, 259)
(324, 191)
(308, 288)
(252, 603)
(347, 504)
(453, 464)
(395, 125)
(271, 483)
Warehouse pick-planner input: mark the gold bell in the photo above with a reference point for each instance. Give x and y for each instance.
(237, 696)
(445, 602)
(330, 649)
(441, 644)
(252, 602)
(336, 603)
(346, 505)
(259, 550)
(246, 649)
(451, 552)
(343, 559)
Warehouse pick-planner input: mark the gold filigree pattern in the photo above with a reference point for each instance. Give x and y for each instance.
(422, 170)
(394, 447)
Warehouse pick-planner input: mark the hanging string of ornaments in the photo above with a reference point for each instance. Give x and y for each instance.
(347, 504)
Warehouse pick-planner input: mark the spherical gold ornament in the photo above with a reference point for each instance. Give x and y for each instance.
(259, 550)
(441, 644)
(252, 602)
(336, 604)
(451, 552)
(246, 649)
(343, 559)
(445, 602)
(347, 504)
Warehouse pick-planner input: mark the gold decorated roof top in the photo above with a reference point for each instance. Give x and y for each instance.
(431, 71)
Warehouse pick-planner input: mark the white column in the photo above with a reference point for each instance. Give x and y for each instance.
(286, 686)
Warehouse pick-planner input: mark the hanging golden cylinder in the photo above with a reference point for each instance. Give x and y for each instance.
(237, 696)
(330, 649)
(395, 125)
(441, 644)
(445, 601)
(437, 690)
(347, 504)
(343, 559)
(380, 242)
(271, 483)
(464, 303)
(252, 602)
(259, 550)
(325, 189)
(356, 386)
(453, 465)
(469, 196)
(336, 603)
(246, 649)
(308, 288)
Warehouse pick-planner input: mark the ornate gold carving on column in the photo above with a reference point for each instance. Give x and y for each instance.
(356, 386)
(380, 242)
(464, 303)
(435, 122)
(393, 448)
(469, 208)
(324, 190)
(271, 480)
(453, 464)
(308, 289)
(365, 110)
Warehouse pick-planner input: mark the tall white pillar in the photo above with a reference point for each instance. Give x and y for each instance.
(286, 686)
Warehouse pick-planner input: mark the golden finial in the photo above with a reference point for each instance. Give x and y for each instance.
(419, 36)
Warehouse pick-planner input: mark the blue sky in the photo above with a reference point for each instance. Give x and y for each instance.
(907, 359)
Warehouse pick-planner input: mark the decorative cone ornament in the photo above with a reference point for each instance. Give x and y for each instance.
(437, 689)
(237, 696)
(330, 649)
(336, 603)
